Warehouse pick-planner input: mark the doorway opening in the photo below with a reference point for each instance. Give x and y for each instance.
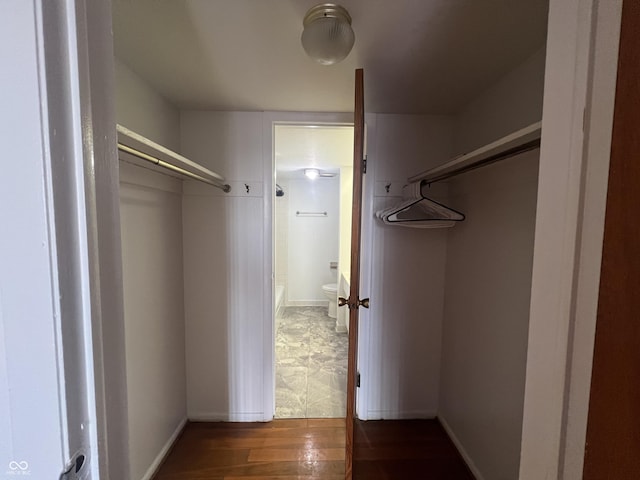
(313, 172)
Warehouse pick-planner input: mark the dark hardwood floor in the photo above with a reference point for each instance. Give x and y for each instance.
(313, 449)
(279, 450)
(406, 449)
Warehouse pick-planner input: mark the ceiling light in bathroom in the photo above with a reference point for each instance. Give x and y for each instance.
(312, 173)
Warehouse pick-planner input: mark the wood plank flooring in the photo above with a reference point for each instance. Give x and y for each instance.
(313, 449)
(309, 449)
(406, 449)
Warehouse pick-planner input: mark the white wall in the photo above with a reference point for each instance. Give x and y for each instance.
(344, 248)
(151, 223)
(513, 102)
(488, 285)
(143, 110)
(346, 206)
(281, 234)
(313, 240)
(225, 269)
(152, 257)
(400, 339)
(32, 406)
(488, 280)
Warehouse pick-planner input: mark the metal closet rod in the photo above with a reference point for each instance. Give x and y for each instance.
(520, 141)
(512, 152)
(170, 166)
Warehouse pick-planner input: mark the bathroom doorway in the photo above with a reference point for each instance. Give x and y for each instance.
(312, 245)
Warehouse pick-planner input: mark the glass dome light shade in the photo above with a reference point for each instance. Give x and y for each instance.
(327, 37)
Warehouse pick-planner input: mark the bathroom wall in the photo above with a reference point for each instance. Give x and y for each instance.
(488, 280)
(281, 234)
(151, 225)
(346, 207)
(344, 262)
(313, 241)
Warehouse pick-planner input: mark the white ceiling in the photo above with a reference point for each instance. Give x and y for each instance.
(324, 147)
(419, 56)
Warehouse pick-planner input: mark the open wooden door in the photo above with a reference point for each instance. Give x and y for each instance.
(354, 302)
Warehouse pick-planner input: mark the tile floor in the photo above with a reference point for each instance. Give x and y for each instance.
(311, 364)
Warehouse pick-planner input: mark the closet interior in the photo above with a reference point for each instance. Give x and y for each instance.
(446, 334)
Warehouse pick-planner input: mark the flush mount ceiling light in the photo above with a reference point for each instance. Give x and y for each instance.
(327, 36)
(312, 173)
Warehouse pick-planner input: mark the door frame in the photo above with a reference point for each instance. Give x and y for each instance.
(94, 59)
(598, 129)
(270, 121)
(33, 393)
(577, 120)
(74, 87)
(274, 124)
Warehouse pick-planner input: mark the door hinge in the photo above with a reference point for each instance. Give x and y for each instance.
(364, 164)
(358, 380)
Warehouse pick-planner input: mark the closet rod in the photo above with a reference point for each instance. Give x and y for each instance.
(486, 161)
(514, 144)
(161, 163)
(142, 148)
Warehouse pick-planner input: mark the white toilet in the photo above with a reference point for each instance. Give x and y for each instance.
(330, 291)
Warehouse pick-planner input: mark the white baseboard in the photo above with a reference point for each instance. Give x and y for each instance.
(151, 471)
(226, 417)
(396, 415)
(307, 303)
(467, 459)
